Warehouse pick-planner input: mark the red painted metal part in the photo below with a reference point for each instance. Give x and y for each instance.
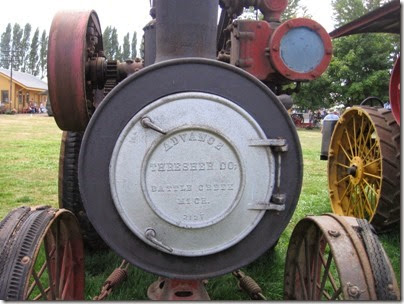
(275, 53)
(395, 92)
(177, 290)
(70, 38)
(249, 41)
(272, 9)
(385, 19)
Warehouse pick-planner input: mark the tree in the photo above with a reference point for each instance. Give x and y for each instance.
(294, 9)
(117, 51)
(106, 38)
(24, 48)
(126, 47)
(360, 65)
(5, 47)
(32, 64)
(16, 46)
(112, 49)
(134, 45)
(43, 50)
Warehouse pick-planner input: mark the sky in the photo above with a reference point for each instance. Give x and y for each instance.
(126, 16)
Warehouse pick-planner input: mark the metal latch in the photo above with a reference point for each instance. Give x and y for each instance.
(277, 203)
(278, 144)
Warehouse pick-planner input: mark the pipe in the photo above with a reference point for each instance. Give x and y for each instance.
(186, 28)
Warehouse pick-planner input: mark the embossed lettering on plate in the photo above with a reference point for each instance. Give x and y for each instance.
(192, 177)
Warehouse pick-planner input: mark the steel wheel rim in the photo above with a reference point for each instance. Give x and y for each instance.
(341, 270)
(60, 265)
(355, 166)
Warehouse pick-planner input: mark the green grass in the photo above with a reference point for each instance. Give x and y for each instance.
(29, 156)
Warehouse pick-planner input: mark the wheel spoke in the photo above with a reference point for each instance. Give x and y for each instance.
(354, 129)
(370, 187)
(370, 209)
(48, 256)
(39, 284)
(336, 294)
(328, 297)
(372, 162)
(370, 150)
(346, 154)
(372, 175)
(40, 295)
(329, 275)
(57, 262)
(39, 274)
(360, 137)
(299, 270)
(342, 165)
(342, 179)
(308, 264)
(326, 270)
(66, 265)
(345, 193)
(316, 253)
(349, 142)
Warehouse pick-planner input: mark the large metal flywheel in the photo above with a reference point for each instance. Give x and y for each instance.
(186, 177)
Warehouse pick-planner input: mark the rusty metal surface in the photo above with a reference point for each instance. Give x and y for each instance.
(56, 232)
(385, 19)
(73, 39)
(180, 33)
(354, 279)
(395, 91)
(177, 290)
(136, 92)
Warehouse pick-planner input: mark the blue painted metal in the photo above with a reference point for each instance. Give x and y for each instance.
(302, 49)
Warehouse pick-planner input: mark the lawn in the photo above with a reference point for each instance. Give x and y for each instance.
(29, 146)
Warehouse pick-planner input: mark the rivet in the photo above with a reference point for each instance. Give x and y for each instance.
(354, 291)
(334, 233)
(25, 260)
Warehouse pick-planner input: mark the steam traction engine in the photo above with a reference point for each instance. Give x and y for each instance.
(189, 162)
(189, 166)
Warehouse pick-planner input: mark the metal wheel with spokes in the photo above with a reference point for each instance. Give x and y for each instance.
(331, 257)
(41, 256)
(364, 166)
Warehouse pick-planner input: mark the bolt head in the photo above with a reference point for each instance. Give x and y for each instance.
(25, 260)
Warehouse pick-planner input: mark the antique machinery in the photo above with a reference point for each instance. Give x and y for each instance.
(188, 162)
(182, 173)
(364, 155)
(333, 257)
(189, 167)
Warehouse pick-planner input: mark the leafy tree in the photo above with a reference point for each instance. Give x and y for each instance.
(33, 57)
(134, 45)
(295, 9)
(360, 66)
(126, 47)
(43, 50)
(16, 46)
(5, 47)
(23, 54)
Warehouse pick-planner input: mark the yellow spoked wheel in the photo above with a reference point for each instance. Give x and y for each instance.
(364, 166)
